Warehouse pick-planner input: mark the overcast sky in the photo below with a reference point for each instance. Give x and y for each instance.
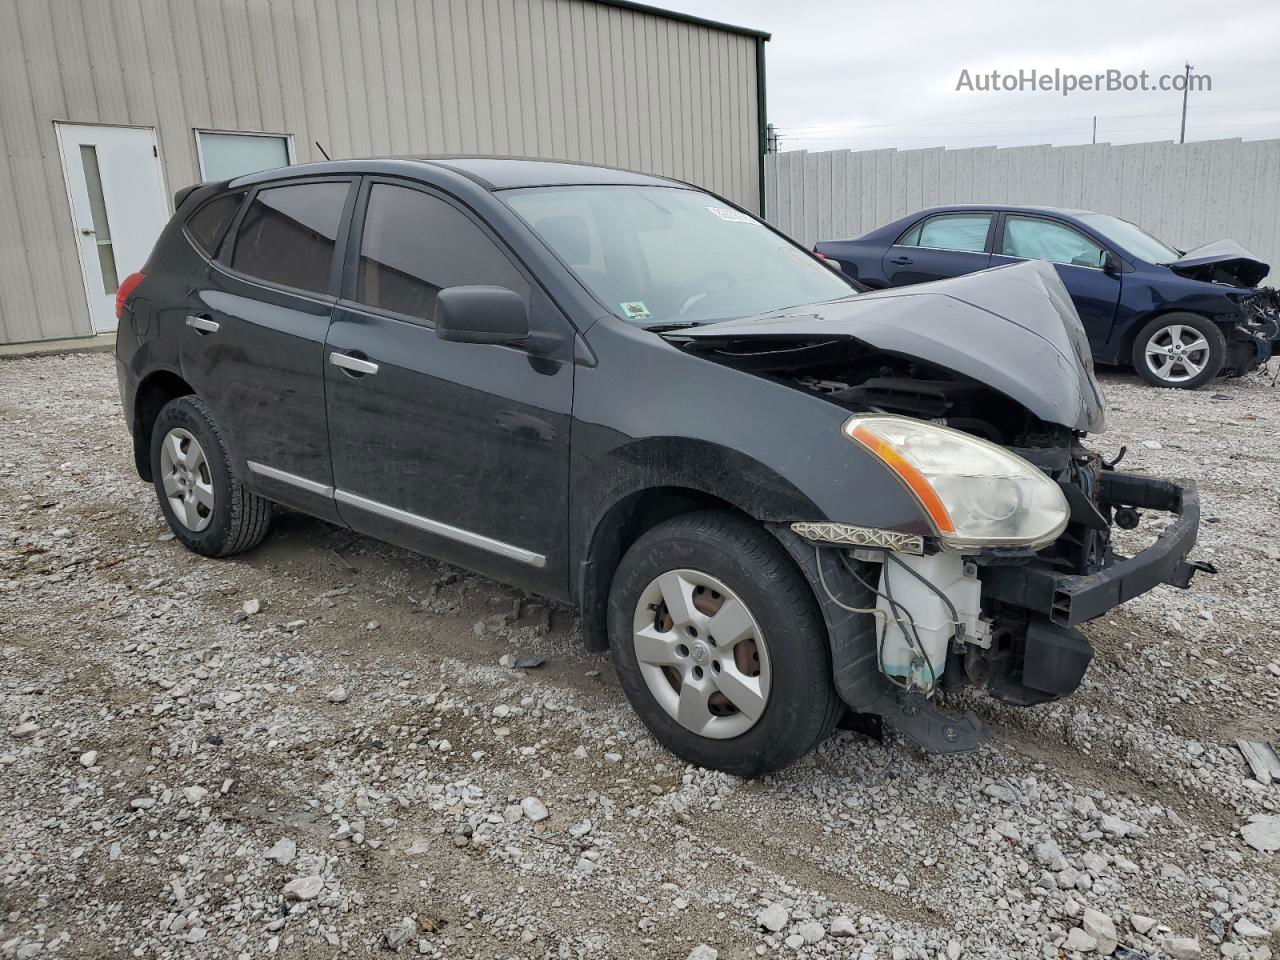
(884, 74)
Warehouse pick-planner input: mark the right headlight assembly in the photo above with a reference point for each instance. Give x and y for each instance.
(975, 493)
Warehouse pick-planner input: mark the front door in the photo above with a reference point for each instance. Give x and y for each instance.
(118, 206)
(1081, 263)
(458, 450)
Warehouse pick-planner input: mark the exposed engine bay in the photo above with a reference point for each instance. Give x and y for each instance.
(910, 617)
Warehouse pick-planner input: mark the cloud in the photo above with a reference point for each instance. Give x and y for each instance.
(868, 75)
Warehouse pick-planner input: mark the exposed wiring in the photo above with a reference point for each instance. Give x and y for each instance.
(888, 590)
(882, 615)
(955, 614)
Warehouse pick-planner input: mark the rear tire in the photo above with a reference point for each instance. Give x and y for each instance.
(711, 563)
(200, 491)
(1181, 350)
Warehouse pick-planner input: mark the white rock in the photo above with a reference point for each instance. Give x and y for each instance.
(795, 941)
(1182, 948)
(251, 607)
(88, 758)
(843, 927)
(703, 952)
(1115, 826)
(142, 803)
(811, 930)
(1141, 924)
(1152, 444)
(304, 888)
(24, 730)
(1262, 833)
(398, 934)
(1080, 941)
(338, 694)
(773, 917)
(1102, 928)
(282, 852)
(194, 794)
(534, 809)
(1247, 928)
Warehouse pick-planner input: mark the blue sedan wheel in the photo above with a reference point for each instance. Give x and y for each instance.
(1181, 350)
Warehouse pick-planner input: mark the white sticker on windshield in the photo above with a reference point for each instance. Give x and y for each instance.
(635, 310)
(732, 216)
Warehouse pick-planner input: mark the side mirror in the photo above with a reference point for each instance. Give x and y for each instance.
(476, 314)
(1109, 263)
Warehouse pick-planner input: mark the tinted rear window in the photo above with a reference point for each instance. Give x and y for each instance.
(288, 234)
(210, 222)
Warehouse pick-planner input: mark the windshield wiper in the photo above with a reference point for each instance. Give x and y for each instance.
(680, 325)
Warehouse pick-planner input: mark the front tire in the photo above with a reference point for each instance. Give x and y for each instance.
(201, 494)
(719, 645)
(1181, 350)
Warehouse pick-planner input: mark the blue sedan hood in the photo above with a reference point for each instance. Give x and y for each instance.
(1013, 328)
(1223, 261)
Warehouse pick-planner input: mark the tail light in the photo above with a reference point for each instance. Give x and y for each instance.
(125, 291)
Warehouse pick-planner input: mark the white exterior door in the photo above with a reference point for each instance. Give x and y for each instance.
(118, 206)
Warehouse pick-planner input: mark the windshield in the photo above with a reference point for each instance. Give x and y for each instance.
(663, 255)
(1129, 236)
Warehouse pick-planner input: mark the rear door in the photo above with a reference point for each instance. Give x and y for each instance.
(943, 245)
(253, 337)
(458, 450)
(1080, 261)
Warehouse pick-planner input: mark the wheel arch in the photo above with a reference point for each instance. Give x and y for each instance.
(621, 525)
(155, 390)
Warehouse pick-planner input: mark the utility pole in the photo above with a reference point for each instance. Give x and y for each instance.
(1095, 128)
(771, 139)
(1186, 86)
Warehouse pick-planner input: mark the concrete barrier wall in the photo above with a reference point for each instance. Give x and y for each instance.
(1185, 194)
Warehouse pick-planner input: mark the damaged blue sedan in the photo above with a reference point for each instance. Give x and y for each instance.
(1178, 317)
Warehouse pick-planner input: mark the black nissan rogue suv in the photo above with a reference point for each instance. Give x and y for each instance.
(775, 497)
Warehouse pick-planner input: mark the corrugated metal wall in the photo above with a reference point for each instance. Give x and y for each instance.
(569, 79)
(1185, 194)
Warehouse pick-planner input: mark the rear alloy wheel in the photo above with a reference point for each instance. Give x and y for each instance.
(200, 490)
(1181, 350)
(719, 645)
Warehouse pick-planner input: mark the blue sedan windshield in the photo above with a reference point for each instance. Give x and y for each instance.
(1129, 236)
(669, 255)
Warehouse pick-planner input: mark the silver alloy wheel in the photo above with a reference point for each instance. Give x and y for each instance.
(702, 654)
(184, 472)
(1177, 353)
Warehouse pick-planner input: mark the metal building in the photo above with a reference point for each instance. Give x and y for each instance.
(109, 106)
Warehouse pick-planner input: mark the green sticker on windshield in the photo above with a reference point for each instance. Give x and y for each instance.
(635, 310)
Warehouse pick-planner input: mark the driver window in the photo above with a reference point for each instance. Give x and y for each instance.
(415, 244)
(1034, 239)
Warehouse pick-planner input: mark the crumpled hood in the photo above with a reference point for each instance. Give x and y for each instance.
(1223, 261)
(1013, 328)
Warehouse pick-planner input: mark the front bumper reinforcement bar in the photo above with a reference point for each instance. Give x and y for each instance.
(1069, 600)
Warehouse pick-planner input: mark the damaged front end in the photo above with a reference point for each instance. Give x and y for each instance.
(977, 394)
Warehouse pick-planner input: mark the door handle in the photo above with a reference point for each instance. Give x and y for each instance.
(901, 261)
(203, 325)
(355, 366)
(88, 231)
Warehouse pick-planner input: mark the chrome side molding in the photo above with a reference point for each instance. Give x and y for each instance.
(442, 529)
(457, 534)
(302, 483)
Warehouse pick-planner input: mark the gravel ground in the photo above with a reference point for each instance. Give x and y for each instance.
(317, 748)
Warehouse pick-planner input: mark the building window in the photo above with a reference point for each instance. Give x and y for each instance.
(226, 155)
